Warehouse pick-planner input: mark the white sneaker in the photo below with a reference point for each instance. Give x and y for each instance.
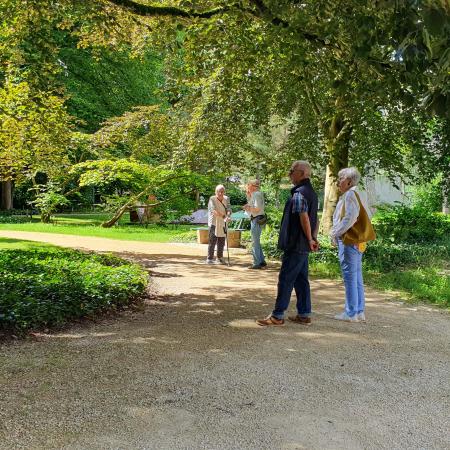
(221, 261)
(361, 317)
(209, 261)
(346, 318)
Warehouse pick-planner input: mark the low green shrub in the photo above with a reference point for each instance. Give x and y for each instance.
(385, 256)
(381, 255)
(49, 286)
(14, 216)
(14, 219)
(411, 225)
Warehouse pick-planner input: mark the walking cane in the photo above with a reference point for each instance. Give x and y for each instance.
(225, 230)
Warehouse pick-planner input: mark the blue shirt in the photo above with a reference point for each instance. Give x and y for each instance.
(299, 203)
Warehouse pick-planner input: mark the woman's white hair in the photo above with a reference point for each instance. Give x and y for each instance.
(350, 173)
(219, 187)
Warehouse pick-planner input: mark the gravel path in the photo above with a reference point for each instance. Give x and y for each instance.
(193, 371)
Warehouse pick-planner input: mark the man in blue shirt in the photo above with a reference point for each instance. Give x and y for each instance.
(298, 237)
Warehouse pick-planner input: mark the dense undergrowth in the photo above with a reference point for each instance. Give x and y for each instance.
(48, 286)
(410, 256)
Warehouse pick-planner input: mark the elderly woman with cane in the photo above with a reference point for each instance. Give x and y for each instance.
(219, 212)
(351, 230)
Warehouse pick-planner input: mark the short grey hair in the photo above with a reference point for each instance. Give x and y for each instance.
(304, 166)
(350, 173)
(219, 187)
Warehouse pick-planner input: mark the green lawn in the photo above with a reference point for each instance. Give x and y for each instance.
(15, 244)
(428, 284)
(89, 225)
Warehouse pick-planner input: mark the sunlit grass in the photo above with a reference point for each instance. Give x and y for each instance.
(430, 284)
(89, 225)
(16, 244)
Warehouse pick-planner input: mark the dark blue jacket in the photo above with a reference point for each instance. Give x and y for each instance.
(292, 237)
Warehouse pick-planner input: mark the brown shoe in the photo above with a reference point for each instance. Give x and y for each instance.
(301, 320)
(270, 321)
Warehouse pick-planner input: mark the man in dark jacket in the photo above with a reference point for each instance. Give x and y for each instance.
(298, 237)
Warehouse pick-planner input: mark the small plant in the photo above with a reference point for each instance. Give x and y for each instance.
(48, 202)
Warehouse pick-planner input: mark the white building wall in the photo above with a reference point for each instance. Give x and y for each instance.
(380, 190)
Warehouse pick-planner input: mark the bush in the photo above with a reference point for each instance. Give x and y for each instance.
(385, 256)
(381, 255)
(14, 219)
(47, 286)
(429, 196)
(411, 225)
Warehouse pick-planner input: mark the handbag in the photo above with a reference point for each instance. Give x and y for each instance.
(362, 230)
(261, 220)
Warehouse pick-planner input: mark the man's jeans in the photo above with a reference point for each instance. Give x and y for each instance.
(258, 255)
(293, 275)
(350, 260)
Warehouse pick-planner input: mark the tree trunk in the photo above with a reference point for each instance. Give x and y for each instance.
(119, 213)
(7, 197)
(197, 199)
(445, 205)
(338, 142)
(277, 195)
(330, 200)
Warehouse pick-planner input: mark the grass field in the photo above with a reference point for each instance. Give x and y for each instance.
(15, 244)
(89, 225)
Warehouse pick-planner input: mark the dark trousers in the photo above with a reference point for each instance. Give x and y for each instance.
(293, 275)
(213, 239)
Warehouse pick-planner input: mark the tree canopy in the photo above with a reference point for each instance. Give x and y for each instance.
(350, 82)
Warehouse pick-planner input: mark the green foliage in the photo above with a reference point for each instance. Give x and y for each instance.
(431, 283)
(411, 253)
(34, 131)
(429, 196)
(400, 224)
(236, 195)
(106, 83)
(48, 201)
(169, 192)
(12, 218)
(186, 237)
(50, 286)
(385, 256)
(106, 174)
(146, 134)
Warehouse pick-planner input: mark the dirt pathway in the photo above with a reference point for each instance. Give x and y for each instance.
(193, 371)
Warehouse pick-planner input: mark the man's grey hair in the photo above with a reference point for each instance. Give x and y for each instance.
(219, 187)
(304, 166)
(350, 173)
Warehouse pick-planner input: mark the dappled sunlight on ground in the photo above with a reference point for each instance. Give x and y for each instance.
(146, 340)
(194, 352)
(243, 323)
(72, 335)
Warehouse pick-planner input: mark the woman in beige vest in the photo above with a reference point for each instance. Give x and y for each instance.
(351, 230)
(219, 212)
